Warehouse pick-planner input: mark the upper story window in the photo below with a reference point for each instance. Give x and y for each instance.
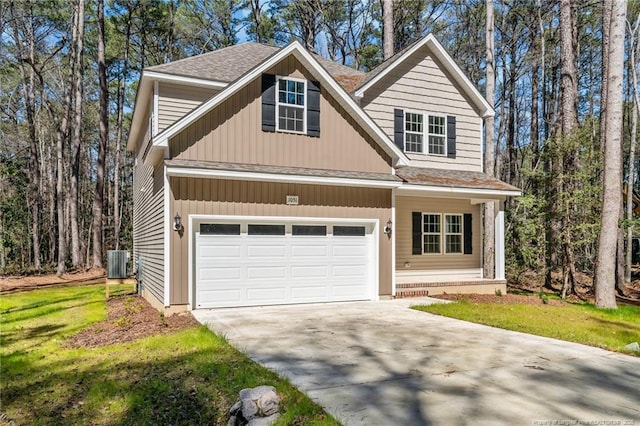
(435, 133)
(291, 105)
(424, 133)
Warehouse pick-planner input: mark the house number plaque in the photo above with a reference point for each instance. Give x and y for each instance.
(292, 200)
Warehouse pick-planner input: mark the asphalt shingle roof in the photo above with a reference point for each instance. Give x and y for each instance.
(452, 178)
(230, 63)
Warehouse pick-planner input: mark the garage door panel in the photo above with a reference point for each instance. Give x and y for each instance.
(350, 271)
(307, 272)
(258, 273)
(220, 274)
(308, 250)
(223, 251)
(266, 250)
(220, 296)
(266, 295)
(250, 270)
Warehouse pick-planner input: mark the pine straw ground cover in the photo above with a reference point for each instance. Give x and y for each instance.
(547, 316)
(67, 357)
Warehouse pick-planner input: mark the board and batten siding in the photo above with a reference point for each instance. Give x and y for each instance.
(148, 235)
(419, 84)
(232, 132)
(191, 196)
(433, 262)
(177, 100)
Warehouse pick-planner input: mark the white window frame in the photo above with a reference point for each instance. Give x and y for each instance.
(439, 233)
(425, 132)
(304, 106)
(446, 233)
(443, 233)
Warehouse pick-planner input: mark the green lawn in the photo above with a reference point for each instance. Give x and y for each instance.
(191, 377)
(581, 323)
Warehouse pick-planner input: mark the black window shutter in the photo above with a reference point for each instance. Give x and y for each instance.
(416, 231)
(268, 103)
(468, 234)
(313, 109)
(451, 136)
(398, 129)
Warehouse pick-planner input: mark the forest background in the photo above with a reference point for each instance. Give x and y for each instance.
(69, 72)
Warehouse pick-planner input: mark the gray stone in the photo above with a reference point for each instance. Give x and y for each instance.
(233, 420)
(264, 421)
(633, 347)
(249, 408)
(235, 407)
(268, 404)
(255, 393)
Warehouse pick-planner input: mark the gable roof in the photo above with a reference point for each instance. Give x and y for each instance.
(161, 141)
(436, 49)
(230, 63)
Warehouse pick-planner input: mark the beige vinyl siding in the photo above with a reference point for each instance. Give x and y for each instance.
(403, 227)
(243, 198)
(419, 84)
(232, 132)
(148, 218)
(176, 100)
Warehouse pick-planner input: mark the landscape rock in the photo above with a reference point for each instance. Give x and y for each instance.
(633, 347)
(255, 406)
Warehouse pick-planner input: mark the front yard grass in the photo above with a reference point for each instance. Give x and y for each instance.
(190, 377)
(610, 329)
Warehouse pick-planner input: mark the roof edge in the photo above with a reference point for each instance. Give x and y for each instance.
(484, 108)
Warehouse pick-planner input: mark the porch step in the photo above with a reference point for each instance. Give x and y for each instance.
(405, 290)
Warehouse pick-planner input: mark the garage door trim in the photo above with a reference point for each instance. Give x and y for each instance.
(194, 222)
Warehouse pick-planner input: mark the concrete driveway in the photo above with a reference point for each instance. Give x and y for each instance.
(380, 363)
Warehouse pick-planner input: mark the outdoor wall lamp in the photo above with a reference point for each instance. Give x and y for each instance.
(177, 222)
(387, 229)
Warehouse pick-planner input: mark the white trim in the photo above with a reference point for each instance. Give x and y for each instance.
(191, 81)
(450, 65)
(393, 242)
(300, 53)
(499, 241)
(458, 192)
(196, 219)
(425, 132)
(274, 177)
(154, 113)
(168, 229)
(304, 106)
(439, 233)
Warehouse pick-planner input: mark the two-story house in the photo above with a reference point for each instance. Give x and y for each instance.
(268, 175)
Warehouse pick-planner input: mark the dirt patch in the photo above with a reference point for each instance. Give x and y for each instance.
(13, 283)
(130, 318)
(505, 299)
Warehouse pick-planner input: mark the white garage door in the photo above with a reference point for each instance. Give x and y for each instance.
(248, 264)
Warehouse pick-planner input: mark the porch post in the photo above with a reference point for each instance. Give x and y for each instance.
(499, 240)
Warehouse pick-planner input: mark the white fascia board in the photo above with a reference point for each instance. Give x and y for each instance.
(453, 68)
(295, 48)
(191, 81)
(281, 178)
(144, 87)
(455, 192)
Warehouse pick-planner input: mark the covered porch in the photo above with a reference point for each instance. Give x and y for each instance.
(438, 235)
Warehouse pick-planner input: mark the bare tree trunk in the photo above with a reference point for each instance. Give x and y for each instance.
(77, 137)
(28, 91)
(489, 152)
(569, 120)
(606, 265)
(387, 28)
(634, 53)
(103, 120)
